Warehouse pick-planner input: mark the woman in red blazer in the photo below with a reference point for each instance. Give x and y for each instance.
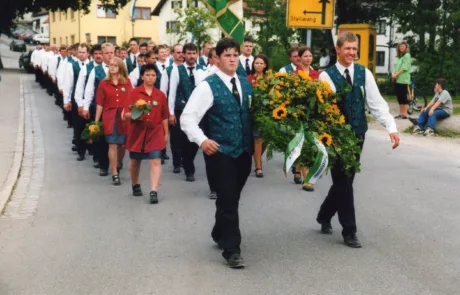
(111, 98)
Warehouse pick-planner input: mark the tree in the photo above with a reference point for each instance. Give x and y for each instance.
(197, 21)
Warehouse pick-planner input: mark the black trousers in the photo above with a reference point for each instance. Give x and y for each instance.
(175, 141)
(340, 199)
(79, 124)
(187, 148)
(100, 147)
(210, 175)
(37, 74)
(231, 175)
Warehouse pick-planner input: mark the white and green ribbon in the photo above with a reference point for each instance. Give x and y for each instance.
(294, 149)
(229, 15)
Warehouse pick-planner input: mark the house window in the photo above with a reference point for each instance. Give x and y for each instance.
(171, 26)
(41, 30)
(65, 14)
(194, 2)
(53, 16)
(60, 41)
(176, 4)
(106, 39)
(143, 39)
(72, 14)
(381, 27)
(103, 13)
(142, 13)
(380, 58)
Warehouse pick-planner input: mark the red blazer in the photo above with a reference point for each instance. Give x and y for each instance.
(252, 80)
(112, 99)
(313, 74)
(148, 129)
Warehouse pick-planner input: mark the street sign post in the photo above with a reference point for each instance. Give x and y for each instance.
(312, 14)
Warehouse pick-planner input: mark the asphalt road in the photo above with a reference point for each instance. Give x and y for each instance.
(89, 237)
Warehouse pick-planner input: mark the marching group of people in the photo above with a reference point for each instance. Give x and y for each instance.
(200, 101)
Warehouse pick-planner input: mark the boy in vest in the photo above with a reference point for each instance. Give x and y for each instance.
(162, 57)
(89, 106)
(184, 79)
(96, 53)
(178, 59)
(203, 61)
(295, 61)
(135, 75)
(223, 101)
(246, 58)
(123, 53)
(131, 59)
(70, 83)
(345, 73)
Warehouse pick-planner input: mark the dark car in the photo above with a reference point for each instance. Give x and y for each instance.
(29, 39)
(18, 45)
(24, 61)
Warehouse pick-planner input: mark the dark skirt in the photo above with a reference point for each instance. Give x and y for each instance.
(156, 154)
(115, 138)
(402, 90)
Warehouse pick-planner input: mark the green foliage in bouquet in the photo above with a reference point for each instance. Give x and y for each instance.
(92, 132)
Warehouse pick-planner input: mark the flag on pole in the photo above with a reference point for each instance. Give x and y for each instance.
(229, 15)
(133, 9)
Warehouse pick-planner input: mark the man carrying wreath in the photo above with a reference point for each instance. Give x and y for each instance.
(357, 87)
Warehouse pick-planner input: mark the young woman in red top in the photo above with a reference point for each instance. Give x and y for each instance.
(110, 98)
(306, 57)
(147, 135)
(259, 66)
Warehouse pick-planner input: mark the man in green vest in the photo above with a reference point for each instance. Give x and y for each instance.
(246, 58)
(184, 79)
(295, 61)
(131, 59)
(223, 101)
(345, 74)
(89, 105)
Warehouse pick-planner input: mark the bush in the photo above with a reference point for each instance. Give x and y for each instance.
(386, 86)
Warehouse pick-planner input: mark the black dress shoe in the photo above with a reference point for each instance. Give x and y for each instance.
(162, 161)
(81, 157)
(74, 149)
(165, 156)
(103, 172)
(153, 197)
(352, 241)
(137, 191)
(235, 261)
(176, 170)
(69, 126)
(326, 228)
(96, 164)
(116, 180)
(190, 178)
(213, 195)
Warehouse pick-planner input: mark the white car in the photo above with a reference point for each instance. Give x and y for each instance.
(41, 39)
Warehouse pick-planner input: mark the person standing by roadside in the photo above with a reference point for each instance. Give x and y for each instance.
(401, 75)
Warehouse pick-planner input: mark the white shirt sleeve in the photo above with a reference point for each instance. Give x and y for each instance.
(325, 77)
(89, 90)
(377, 105)
(198, 104)
(134, 76)
(283, 70)
(173, 84)
(60, 73)
(53, 67)
(33, 57)
(164, 83)
(80, 88)
(68, 84)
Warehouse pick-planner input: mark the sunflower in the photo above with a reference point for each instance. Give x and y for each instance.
(341, 120)
(279, 113)
(335, 109)
(325, 139)
(94, 129)
(281, 74)
(319, 95)
(304, 75)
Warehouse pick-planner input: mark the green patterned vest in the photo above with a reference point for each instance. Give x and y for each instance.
(99, 76)
(228, 122)
(202, 62)
(76, 73)
(129, 64)
(289, 69)
(240, 71)
(185, 87)
(352, 103)
(89, 68)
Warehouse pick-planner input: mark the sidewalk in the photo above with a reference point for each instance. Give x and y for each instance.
(10, 117)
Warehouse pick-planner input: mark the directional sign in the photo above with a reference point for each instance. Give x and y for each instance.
(314, 14)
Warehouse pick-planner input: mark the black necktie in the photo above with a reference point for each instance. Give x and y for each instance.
(135, 61)
(248, 70)
(82, 64)
(235, 92)
(192, 78)
(163, 66)
(348, 77)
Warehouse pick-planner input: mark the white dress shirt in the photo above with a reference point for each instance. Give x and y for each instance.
(53, 65)
(243, 61)
(44, 60)
(69, 80)
(160, 65)
(80, 88)
(210, 71)
(90, 90)
(283, 69)
(134, 76)
(374, 100)
(164, 83)
(60, 73)
(35, 57)
(174, 83)
(201, 100)
(205, 58)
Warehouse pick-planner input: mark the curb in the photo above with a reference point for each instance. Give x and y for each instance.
(15, 169)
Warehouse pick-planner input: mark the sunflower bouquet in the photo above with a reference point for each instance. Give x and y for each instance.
(286, 106)
(139, 108)
(92, 132)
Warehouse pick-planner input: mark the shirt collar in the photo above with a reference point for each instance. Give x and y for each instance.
(187, 66)
(342, 68)
(226, 78)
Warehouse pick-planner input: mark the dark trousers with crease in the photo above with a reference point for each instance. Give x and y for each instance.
(79, 124)
(231, 175)
(188, 149)
(175, 141)
(100, 147)
(340, 199)
(210, 175)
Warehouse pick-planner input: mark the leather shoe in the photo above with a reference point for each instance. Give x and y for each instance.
(153, 197)
(137, 191)
(326, 228)
(74, 148)
(352, 241)
(235, 261)
(103, 172)
(176, 170)
(190, 178)
(80, 157)
(213, 195)
(96, 164)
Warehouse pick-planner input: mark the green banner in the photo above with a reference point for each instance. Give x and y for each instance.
(229, 15)
(321, 160)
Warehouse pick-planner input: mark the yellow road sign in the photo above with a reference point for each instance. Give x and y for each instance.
(314, 14)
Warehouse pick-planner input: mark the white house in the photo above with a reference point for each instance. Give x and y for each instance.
(40, 23)
(168, 20)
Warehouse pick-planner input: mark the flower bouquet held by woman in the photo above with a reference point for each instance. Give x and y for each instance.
(301, 118)
(92, 132)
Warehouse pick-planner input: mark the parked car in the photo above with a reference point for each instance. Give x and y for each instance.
(41, 39)
(18, 45)
(30, 38)
(25, 34)
(18, 32)
(24, 61)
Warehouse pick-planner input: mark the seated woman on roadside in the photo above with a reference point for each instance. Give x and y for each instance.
(439, 108)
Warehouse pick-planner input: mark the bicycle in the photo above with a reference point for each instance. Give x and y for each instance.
(415, 97)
